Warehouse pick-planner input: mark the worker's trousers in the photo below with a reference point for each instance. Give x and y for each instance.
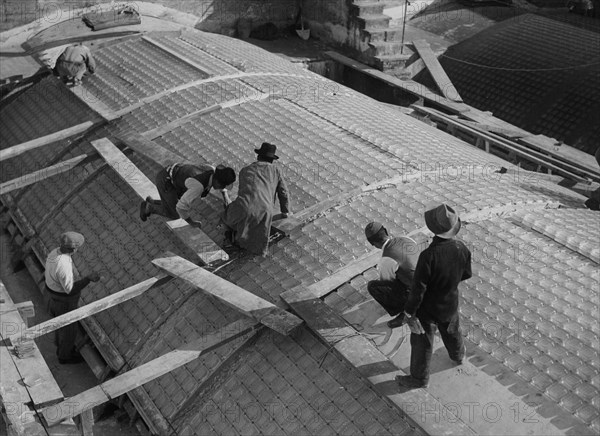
(422, 346)
(168, 197)
(391, 294)
(65, 336)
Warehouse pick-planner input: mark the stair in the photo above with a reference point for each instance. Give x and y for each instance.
(379, 38)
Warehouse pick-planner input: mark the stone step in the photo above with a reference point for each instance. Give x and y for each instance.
(362, 8)
(382, 34)
(373, 21)
(394, 62)
(382, 48)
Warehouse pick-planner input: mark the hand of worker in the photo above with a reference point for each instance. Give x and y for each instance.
(414, 325)
(94, 277)
(194, 223)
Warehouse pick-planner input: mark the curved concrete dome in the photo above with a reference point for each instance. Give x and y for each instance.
(348, 160)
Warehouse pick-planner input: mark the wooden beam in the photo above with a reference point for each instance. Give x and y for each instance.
(33, 370)
(91, 309)
(247, 303)
(125, 168)
(147, 372)
(434, 67)
(44, 140)
(165, 128)
(150, 149)
(45, 173)
(175, 54)
(372, 364)
(198, 241)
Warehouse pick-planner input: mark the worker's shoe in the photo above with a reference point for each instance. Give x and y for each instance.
(408, 381)
(461, 356)
(397, 321)
(592, 204)
(145, 208)
(77, 358)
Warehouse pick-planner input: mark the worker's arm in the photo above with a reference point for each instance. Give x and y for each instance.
(467, 273)
(184, 205)
(89, 60)
(282, 194)
(419, 285)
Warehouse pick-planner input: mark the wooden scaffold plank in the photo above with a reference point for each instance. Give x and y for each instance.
(434, 67)
(147, 372)
(247, 303)
(91, 309)
(44, 140)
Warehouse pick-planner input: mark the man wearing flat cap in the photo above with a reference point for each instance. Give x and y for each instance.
(64, 292)
(250, 215)
(396, 267)
(433, 298)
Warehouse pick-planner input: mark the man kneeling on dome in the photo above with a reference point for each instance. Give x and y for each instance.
(396, 267)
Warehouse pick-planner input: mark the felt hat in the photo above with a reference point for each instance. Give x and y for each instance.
(71, 240)
(443, 221)
(372, 229)
(267, 150)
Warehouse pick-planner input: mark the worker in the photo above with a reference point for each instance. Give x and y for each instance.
(180, 184)
(433, 298)
(64, 292)
(250, 215)
(396, 267)
(73, 63)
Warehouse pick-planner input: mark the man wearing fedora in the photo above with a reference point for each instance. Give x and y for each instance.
(433, 298)
(64, 292)
(179, 185)
(250, 215)
(396, 267)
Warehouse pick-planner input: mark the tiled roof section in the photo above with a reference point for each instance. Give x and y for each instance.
(294, 386)
(134, 69)
(327, 147)
(568, 227)
(545, 295)
(47, 107)
(535, 72)
(239, 54)
(211, 64)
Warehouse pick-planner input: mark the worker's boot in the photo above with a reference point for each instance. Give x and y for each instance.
(145, 209)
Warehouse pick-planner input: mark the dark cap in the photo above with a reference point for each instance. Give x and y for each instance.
(372, 229)
(71, 240)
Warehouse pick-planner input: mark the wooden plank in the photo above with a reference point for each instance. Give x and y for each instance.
(249, 304)
(91, 309)
(147, 372)
(436, 70)
(165, 128)
(150, 149)
(13, 394)
(173, 53)
(329, 284)
(45, 173)
(44, 140)
(87, 422)
(372, 364)
(33, 370)
(125, 168)
(198, 241)
(563, 168)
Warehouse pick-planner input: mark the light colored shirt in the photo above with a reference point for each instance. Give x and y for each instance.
(195, 189)
(387, 266)
(59, 272)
